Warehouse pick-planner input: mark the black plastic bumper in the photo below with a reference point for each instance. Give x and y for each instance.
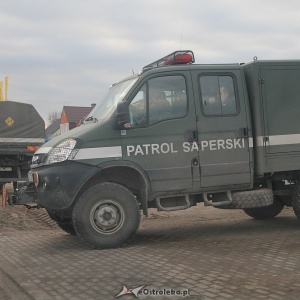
(59, 183)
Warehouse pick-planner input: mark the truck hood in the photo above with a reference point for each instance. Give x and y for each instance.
(89, 135)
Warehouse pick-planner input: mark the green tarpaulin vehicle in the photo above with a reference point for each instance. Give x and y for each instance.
(22, 132)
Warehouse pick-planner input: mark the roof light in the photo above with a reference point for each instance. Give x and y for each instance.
(177, 57)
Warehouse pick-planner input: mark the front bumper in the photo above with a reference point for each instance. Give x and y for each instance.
(58, 184)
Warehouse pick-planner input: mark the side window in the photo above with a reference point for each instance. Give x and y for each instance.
(159, 99)
(218, 95)
(138, 108)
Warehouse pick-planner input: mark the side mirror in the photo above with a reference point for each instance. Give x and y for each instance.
(123, 115)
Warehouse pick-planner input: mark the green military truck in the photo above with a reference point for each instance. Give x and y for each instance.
(170, 137)
(22, 132)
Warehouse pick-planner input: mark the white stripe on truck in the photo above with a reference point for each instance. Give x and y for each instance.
(102, 152)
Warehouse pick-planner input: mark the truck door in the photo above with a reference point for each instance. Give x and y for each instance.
(160, 119)
(224, 134)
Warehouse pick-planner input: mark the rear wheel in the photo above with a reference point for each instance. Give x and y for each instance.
(265, 212)
(107, 215)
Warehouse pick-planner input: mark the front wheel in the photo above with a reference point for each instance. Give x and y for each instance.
(265, 212)
(107, 215)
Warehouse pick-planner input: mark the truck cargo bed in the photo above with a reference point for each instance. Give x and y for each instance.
(274, 96)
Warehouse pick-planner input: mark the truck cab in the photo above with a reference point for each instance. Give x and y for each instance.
(169, 137)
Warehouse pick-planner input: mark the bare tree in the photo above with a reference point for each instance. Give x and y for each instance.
(53, 116)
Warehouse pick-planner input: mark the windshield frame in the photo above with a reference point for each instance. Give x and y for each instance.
(105, 108)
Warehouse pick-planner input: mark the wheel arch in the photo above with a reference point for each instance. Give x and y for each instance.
(128, 174)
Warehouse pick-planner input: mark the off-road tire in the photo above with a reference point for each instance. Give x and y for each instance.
(296, 201)
(106, 215)
(254, 198)
(250, 199)
(266, 212)
(66, 226)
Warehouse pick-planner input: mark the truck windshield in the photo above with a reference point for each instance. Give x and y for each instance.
(105, 108)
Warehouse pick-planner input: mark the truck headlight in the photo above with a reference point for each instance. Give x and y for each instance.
(62, 151)
(36, 160)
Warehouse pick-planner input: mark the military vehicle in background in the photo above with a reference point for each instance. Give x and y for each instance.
(22, 132)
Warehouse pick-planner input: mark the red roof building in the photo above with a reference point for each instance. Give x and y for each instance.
(73, 116)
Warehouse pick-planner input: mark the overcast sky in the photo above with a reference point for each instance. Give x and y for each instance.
(69, 52)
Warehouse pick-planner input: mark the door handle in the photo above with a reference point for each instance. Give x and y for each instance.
(191, 136)
(242, 132)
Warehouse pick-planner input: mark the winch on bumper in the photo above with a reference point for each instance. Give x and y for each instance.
(57, 185)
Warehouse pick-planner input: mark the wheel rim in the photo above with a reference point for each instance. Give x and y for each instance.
(107, 216)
